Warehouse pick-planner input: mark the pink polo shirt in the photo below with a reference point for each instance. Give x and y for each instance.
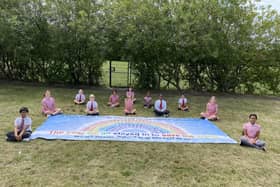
(251, 130)
(128, 104)
(48, 104)
(130, 94)
(114, 99)
(147, 99)
(212, 108)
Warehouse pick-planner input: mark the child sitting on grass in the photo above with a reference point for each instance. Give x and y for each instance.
(48, 105)
(114, 99)
(160, 107)
(80, 98)
(92, 106)
(148, 103)
(22, 127)
(130, 93)
(251, 133)
(183, 103)
(211, 112)
(128, 104)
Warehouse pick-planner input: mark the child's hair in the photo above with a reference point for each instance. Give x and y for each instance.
(44, 94)
(23, 109)
(253, 115)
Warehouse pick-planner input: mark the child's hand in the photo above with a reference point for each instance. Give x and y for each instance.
(18, 138)
(252, 141)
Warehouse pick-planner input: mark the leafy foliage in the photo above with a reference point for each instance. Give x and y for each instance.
(211, 45)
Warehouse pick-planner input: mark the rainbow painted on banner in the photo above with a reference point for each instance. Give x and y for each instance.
(127, 125)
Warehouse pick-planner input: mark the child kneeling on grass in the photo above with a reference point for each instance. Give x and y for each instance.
(128, 106)
(22, 128)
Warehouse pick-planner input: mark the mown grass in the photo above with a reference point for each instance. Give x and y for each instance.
(105, 163)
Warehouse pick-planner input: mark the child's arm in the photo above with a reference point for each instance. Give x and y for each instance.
(21, 133)
(16, 133)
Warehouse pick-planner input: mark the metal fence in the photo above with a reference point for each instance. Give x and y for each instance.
(117, 74)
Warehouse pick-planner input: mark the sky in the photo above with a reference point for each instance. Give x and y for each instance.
(275, 4)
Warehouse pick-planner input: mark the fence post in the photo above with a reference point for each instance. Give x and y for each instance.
(110, 73)
(128, 74)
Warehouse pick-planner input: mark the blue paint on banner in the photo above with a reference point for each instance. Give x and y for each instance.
(118, 128)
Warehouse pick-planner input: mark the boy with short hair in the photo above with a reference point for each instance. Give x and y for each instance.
(160, 107)
(92, 106)
(22, 127)
(183, 103)
(80, 98)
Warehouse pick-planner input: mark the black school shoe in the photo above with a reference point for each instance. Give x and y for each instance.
(214, 119)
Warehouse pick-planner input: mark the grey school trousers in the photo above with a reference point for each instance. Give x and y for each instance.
(259, 144)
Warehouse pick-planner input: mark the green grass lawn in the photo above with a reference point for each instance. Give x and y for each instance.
(104, 163)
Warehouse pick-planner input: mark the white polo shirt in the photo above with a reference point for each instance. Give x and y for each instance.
(157, 105)
(27, 123)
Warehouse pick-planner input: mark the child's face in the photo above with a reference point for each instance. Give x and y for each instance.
(253, 119)
(48, 94)
(91, 98)
(23, 114)
(80, 91)
(213, 100)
